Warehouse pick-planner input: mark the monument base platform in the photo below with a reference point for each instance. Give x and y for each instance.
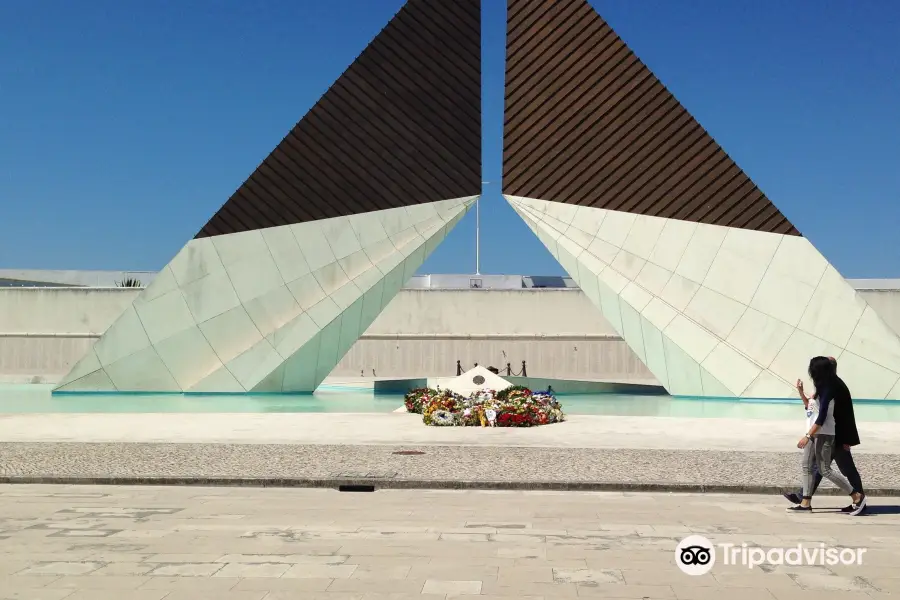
(560, 386)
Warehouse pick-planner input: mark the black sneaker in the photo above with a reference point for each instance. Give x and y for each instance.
(859, 507)
(799, 508)
(849, 508)
(793, 498)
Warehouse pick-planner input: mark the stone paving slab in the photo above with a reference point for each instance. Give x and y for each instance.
(460, 467)
(180, 543)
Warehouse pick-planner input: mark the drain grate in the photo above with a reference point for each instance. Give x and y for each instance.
(356, 488)
(408, 452)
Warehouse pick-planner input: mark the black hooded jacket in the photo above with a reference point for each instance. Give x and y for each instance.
(844, 420)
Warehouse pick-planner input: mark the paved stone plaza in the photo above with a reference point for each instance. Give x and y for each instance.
(193, 543)
(579, 431)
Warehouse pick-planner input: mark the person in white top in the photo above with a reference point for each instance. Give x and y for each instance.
(846, 435)
(818, 443)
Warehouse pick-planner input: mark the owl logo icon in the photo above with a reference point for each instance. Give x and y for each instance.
(695, 555)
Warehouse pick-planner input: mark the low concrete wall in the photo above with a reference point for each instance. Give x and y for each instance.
(556, 331)
(528, 312)
(44, 331)
(423, 332)
(59, 311)
(566, 358)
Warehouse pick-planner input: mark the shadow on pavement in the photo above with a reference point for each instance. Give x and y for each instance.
(871, 510)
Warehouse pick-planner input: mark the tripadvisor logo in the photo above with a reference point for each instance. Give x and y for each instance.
(696, 555)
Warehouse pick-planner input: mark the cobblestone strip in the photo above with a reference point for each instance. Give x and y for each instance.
(459, 467)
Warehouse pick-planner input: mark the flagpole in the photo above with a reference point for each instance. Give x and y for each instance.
(478, 230)
(478, 235)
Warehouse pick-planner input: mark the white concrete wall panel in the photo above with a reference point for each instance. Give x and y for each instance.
(740, 312)
(59, 311)
(250, 303)
(563, 358)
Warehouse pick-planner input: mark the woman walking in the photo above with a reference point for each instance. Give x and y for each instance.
(846, 436)
(818, 443)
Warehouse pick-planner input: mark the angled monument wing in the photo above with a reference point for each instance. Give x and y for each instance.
(401, 126)
(704, 278)
(295, 266)
(588, 123)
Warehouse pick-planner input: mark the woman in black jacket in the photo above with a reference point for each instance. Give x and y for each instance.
(846, 436)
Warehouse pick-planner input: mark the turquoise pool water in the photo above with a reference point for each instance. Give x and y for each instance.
(38, 399)
(339, 399)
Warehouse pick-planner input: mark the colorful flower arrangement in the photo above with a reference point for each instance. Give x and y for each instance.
(516, 406)
(417, 399)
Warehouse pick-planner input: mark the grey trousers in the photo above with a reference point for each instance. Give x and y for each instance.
(819, 453)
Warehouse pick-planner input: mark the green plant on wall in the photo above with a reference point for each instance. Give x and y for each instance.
(129, 282)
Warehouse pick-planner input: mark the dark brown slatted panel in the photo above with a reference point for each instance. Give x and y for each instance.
(401, 126)
(588, 123)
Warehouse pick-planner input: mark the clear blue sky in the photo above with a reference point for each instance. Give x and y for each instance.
(125, 125)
